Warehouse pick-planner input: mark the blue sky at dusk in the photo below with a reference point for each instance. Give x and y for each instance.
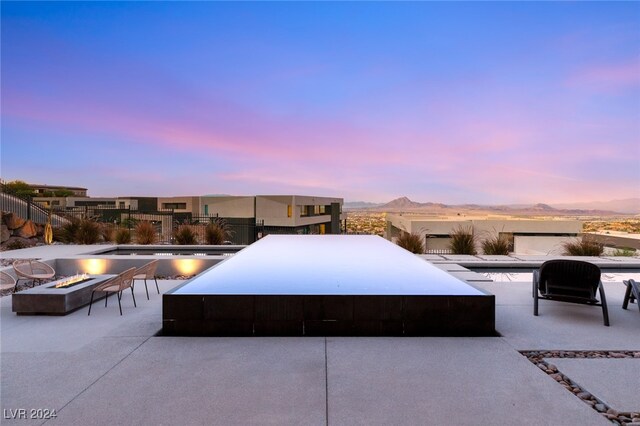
(446, 102)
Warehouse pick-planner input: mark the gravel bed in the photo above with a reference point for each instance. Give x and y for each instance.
(616, 417)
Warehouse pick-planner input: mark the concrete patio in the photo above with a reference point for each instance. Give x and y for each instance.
(112, 369)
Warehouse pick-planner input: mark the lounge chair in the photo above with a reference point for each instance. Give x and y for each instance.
(632, 294)
(7, 281)
(32, 270)
(571, 281)
(115, 285)
(147, 272)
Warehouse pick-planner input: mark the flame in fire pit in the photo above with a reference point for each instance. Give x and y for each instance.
(72, 280)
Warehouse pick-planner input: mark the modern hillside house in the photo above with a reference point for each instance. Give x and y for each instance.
(47, 189)
(133, 203)
(300, 214)
(527, 236)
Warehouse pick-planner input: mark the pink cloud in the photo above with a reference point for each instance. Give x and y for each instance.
(609, 77)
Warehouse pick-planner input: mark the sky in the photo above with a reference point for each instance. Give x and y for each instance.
(460, 102)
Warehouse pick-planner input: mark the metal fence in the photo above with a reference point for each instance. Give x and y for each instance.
(27, 209)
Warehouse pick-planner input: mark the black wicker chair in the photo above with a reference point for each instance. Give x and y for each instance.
(632, 293)
(571, 281)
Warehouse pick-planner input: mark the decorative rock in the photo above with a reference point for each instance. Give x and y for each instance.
(552, 368)
(600, 407)
(555, 376)
(4, 233)
(12, 221)
(28, 230)
(617, 355)
(612, 412)
(584, 395)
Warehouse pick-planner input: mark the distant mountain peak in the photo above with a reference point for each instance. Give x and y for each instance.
(401, 203)
(406, 203)
(542, 206)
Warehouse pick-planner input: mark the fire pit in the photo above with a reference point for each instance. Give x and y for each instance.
(58, 297)
(71, 281)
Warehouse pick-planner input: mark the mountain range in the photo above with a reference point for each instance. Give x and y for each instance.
(624, 206)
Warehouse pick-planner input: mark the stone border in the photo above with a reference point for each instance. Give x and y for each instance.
(618, 418)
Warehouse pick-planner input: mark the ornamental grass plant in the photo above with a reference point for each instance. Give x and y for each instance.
(185, 235)
(463, 241)
(495, 245)
(217, 231)
(214, 234)
(412, 242)
(88, 232)
(145, 233)
(123, 236)
(584, 246)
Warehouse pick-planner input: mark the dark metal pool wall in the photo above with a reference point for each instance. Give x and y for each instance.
(322, 315)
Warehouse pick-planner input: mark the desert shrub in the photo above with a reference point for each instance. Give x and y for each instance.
(495, 244)
(185, 234)
(16, 245)
(88, 232)
(123, 236)
(78, 231)
(411, 242)
(68, 231)
(463, 241)
(214, 234)
(145, 232)
(108, 232)
(217, 231)
(584, 246)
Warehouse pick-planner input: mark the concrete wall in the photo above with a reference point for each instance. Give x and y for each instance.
(484, 227)
(273, 209)
(617, 240)
(240, 207)
(539, 245)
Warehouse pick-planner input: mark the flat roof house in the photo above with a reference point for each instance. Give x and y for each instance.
(300, 214)
(527, 236)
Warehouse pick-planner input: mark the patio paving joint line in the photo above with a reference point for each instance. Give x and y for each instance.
(101, 376)
(326, 384)
(537, 358)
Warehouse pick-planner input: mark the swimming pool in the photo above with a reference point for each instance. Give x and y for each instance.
(172, 251)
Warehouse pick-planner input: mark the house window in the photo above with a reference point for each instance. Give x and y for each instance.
(174, 206)
(121, 204)
(206, 209)
(289, 210)
(323, 229)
